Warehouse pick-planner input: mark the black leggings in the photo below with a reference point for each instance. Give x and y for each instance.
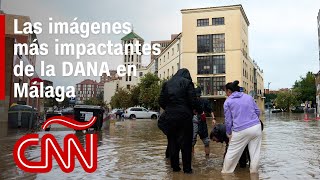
(180, 138)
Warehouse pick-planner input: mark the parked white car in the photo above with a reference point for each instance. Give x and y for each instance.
(140, 113)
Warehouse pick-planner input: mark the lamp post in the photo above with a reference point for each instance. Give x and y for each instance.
(269, 96)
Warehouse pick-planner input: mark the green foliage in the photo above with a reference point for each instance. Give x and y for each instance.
(286, 99)
(270, 97)
(150, 91)
(305, 88)
(121, 99)
(146, 94)
(96, 101)
(51, 102)
(134, 95)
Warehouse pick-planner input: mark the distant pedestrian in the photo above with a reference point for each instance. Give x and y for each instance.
(242, 127)
(177, 98)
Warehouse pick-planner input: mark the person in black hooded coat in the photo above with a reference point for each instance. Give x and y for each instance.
(177, 98)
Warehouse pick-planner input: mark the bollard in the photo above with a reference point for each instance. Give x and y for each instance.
(318, 117)
(306, 117)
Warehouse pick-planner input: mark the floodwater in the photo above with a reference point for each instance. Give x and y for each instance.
(134, 149)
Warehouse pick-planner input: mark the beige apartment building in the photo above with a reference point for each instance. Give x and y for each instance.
(214, 47)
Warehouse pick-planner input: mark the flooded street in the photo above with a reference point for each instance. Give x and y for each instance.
(134, 149)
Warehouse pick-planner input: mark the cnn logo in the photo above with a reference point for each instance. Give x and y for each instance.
(50, 148)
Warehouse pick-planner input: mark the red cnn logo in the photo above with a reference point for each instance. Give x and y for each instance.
(50, 148)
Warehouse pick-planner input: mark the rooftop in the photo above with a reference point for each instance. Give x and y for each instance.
(217, 8)
(88, 81)
(130, 36)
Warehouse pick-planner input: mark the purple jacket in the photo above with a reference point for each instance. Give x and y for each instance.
(241, 112)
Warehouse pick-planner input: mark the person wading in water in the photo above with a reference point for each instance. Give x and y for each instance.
(177, 98)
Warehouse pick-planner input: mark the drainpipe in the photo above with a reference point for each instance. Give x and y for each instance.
(179, 52)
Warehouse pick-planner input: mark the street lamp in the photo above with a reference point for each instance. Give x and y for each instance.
(269, 96)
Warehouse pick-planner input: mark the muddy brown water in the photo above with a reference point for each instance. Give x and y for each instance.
(134, 149)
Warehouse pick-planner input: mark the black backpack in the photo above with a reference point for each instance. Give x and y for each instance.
(163, 123)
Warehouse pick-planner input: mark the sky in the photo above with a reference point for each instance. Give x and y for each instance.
(282, 34)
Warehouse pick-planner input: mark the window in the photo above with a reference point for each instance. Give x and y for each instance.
(211, 64)
(205, 85)
(218, 21)
(164, 58)
(178, 47)
(211, 43)
(218, 42)
(168, 55)
(202, 22)
(128, 87)
(172, 51)
(203, 43)
(212, 85)
(140, 74)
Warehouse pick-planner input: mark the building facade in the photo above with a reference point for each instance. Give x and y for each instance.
(88, 89)
(133, 58)
(169, 59)
(11, 60)
(163, 45)
(214, 47)
(113, 76)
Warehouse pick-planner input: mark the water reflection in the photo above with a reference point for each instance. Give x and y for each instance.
(135, 150)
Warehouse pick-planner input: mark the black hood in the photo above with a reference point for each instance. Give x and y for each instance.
(183, 73)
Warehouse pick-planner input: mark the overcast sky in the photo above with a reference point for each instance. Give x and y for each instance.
(282, 34)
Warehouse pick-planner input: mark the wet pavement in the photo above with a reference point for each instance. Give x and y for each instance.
(134, 149)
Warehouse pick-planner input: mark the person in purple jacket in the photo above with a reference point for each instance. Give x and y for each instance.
(242, 127)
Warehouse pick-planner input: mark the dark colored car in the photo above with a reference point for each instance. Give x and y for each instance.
(68, 112)
(298, 109)
(119, 113)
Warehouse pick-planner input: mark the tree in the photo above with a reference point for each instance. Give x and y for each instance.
(121, 99)
(286, 99)
(96, 101)
(135, 94)
(305, 88)
(150, 91)
(146, 94)
(270, 97)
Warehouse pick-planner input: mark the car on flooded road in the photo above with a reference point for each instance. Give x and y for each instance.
(140, 113)
(116, 113)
